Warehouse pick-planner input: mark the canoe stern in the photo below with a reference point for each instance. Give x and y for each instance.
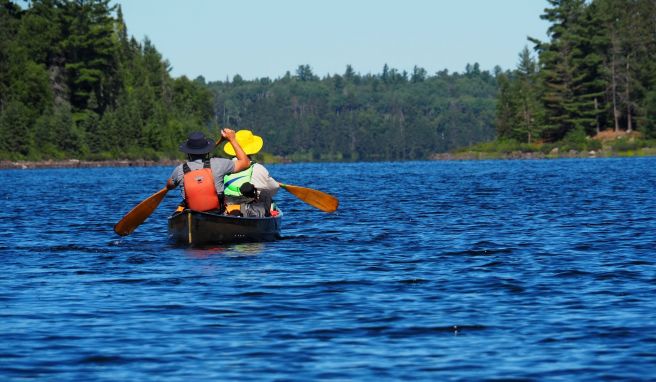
(197, 228)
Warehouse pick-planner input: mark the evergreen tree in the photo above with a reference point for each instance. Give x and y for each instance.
(90, 53)
(383, 116)
(529, 111)
(569, 90)
(73, 85)
(506, 107)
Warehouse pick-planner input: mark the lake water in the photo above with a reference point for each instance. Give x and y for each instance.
(524, 270)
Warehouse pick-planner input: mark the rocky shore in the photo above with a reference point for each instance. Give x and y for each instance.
(554, 154)
(76, 163)
(477, 155)
(611, 144)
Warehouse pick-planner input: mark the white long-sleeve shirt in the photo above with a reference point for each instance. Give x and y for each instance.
(263, 181)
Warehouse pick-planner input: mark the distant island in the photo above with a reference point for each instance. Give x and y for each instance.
(76, 88)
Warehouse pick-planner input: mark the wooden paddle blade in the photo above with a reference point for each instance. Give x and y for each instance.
(138, 214)
(321, 200)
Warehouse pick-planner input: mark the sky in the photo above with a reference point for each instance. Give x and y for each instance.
(266, 38)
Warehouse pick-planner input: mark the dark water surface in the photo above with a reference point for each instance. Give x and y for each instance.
(525, 270)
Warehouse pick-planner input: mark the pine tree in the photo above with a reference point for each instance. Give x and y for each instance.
(505, 109)
(90, 52)
(568, 95)
(529, 111)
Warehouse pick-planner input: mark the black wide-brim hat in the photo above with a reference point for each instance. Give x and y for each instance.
(197, 143)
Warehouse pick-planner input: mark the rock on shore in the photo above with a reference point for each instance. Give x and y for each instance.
(75, 163)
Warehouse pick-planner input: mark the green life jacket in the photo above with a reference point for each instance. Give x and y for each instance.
(232, 182)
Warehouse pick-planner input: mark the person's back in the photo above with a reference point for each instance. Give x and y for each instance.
(259, 204)
(257, 175)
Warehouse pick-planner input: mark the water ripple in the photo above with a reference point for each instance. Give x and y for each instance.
(491, 270)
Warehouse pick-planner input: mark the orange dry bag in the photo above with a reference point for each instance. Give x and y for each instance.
(200, 192)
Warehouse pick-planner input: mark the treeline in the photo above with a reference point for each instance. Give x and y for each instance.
(597, 72)
(73, 85)
(391, 115)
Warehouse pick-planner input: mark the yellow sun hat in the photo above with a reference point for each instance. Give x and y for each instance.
(251, 144)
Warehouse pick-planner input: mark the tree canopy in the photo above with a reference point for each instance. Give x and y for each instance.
(72, 84)
(388, 116)
(597, 72)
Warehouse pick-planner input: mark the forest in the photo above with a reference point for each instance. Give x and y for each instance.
(388, 116)
(597, 72)
(74, 84)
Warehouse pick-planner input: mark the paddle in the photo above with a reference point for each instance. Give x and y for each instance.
(143, 210)
(140, 213)
(318, 199)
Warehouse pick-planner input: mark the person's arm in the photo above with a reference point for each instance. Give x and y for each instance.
(242, 162)
(263, 180)
(174, 180)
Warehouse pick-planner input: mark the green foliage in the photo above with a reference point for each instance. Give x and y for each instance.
(596, 72)
(577, 140)
(505, 146)
(15, 130)
(623, 144)
(73, 86)
(649, 127)
(631, 144)
(387, 116)
(519, 112)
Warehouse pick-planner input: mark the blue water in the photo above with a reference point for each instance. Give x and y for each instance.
(524, 270)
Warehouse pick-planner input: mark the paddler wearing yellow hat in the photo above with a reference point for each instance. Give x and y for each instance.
(253, 189)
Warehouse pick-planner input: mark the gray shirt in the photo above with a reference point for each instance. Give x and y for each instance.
(220, 168)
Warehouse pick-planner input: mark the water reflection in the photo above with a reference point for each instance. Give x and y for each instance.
(233, 250)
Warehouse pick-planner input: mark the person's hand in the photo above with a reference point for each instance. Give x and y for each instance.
(242, 159)
(228, 134)
(169, 184)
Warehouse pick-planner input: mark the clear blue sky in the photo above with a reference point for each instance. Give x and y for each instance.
(266, 38)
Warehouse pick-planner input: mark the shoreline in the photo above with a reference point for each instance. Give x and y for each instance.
(76, 163)
(536, 155)
(459, 156)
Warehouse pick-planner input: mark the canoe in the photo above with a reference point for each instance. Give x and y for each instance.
(195, 228)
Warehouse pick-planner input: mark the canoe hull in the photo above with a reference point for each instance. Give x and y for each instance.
(203, 228)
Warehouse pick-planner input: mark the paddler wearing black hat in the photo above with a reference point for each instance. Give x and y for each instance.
(201, 177)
